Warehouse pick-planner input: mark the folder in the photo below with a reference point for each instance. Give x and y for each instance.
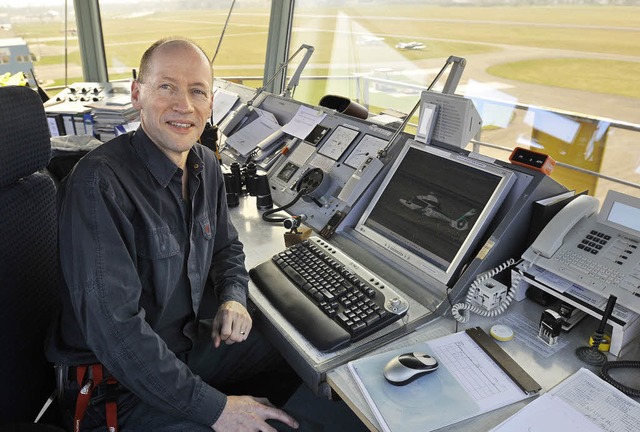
(544, 210)
(56, 125)
(69, 124)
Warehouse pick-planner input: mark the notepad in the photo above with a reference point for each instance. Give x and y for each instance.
(467, 383)
(581, 403)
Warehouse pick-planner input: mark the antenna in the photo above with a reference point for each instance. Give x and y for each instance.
(224, 29)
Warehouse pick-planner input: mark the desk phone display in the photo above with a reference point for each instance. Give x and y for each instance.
(596, 250)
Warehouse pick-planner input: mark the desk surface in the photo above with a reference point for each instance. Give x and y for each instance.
(263, 240)
(547, 371)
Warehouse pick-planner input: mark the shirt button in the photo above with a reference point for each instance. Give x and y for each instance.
(196, 166)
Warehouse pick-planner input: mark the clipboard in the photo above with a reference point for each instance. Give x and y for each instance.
(475, 376)
(504, 361)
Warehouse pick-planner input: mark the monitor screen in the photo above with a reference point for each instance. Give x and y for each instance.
(433, 207)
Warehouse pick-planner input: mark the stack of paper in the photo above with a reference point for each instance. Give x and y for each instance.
(111, 112)
(581, 403)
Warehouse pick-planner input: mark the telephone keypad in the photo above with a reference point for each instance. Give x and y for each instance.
(594, 241)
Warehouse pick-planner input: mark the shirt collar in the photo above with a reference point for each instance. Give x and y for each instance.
(159, 165)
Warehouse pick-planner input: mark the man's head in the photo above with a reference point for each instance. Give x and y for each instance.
(174, 93)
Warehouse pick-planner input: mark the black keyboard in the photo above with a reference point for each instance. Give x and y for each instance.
(328, 297)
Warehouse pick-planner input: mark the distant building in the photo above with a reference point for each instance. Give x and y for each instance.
(15, 57)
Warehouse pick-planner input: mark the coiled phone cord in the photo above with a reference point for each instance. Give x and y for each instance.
(458, 310)
(604, 374)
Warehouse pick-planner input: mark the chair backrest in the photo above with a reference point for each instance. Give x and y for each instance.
(29, 269)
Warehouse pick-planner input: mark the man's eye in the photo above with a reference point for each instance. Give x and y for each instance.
(201, 92)
(165, 86)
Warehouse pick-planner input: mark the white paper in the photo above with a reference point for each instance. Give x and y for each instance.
(367, 147)
(582, 402)
(246, 139)
(541, 416)
(223, 101)
(303, 122)
(338, 142)
(480, 376)
(466, 384)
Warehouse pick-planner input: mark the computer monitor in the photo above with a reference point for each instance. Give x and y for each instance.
(433, 207)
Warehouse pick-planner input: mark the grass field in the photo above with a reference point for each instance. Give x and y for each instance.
(582, 59)
(602, 76)
(462, 30)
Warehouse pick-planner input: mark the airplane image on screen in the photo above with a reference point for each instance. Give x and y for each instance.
(429, 206)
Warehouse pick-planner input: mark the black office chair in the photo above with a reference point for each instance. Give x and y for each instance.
(29, 271)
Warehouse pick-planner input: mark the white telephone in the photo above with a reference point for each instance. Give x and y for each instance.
(599, 252)
(552, 236)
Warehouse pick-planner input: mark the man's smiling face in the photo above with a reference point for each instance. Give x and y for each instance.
(175, 98)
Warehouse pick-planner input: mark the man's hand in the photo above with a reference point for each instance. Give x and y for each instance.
(232, 324)
(247, 413)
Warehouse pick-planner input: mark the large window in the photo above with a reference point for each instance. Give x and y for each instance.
(48, 30)
(40, 36)
(560, 78)
(129, 28)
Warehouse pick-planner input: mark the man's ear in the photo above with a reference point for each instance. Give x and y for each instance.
(135, 94)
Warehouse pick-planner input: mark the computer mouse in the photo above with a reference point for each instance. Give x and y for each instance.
(404, 368)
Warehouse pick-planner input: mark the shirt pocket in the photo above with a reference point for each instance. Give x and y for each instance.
(206, 226)
(157, 243)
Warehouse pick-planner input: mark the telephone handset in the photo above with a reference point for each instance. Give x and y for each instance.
(552, 236)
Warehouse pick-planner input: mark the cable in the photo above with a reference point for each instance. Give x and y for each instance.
(448, 292)
(620, 364)
(457, 310)
(265, 215)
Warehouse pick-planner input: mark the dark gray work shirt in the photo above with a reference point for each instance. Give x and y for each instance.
(135, 258)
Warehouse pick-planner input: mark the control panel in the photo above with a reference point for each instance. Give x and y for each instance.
(90, 92)
(321, 175)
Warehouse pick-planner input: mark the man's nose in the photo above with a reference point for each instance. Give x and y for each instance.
(182, 100)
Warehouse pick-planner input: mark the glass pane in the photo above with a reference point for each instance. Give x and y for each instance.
(40, 36)
(241, 54)
(562, 79)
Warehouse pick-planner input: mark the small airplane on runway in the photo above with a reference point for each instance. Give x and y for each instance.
(410, 46)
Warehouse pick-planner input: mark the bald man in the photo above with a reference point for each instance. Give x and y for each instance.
(144, 227)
